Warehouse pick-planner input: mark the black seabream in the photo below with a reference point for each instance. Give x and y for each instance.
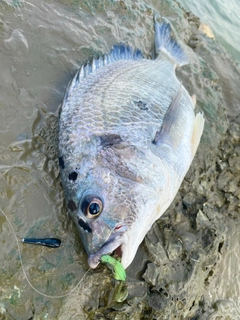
(127, 136)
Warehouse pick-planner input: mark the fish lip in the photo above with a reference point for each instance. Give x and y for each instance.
(115, 240)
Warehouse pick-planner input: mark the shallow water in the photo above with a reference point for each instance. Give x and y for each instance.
(223, 18)
(42, 45)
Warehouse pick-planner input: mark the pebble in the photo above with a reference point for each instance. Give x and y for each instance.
(204, 28)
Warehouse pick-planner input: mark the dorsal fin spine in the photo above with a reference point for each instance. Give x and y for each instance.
(118, 52)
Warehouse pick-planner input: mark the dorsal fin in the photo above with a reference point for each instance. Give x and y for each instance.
(118, 52)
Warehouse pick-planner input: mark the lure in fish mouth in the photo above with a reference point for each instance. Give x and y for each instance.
(127, 137)
(113, 245)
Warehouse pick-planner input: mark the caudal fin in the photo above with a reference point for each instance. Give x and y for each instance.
(164, 42)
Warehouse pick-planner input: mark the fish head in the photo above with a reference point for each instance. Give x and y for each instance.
(118, 203)
(101, 212)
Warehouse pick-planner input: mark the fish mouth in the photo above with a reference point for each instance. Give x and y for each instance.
(112, 245)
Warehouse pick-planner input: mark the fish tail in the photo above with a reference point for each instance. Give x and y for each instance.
(166, 44)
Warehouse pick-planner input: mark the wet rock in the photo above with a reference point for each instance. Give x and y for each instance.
(202, 220)
(154, 245)
(174, 249)
(189, 199)
(152, 273)
(136, 291)
(234, 131)
(234, 163)
(224, 180)
(188, 240)
(218, 199)
(237, 151)
(157, 301)
(173, 245)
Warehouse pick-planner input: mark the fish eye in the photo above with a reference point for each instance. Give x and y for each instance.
(92, 206)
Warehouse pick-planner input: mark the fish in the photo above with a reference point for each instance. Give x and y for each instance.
(127, 137)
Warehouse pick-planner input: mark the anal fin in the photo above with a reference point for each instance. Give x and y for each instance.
(197, 131)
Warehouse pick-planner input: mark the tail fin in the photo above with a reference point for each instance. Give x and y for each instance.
(164, 42)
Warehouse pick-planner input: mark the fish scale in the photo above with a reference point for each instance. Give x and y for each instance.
(95, 108)
(127, 136)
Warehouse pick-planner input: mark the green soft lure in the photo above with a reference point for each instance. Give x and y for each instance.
(116, 266)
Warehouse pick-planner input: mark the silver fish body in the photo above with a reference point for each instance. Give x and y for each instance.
(127, 136)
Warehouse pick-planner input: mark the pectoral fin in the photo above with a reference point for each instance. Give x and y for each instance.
(167, 133)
